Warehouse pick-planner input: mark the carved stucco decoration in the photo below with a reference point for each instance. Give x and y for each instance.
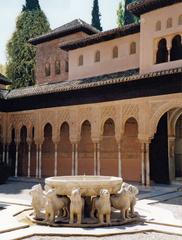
(129, 111)
(155, 117)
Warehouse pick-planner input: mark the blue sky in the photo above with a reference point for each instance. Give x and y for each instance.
(58, 13)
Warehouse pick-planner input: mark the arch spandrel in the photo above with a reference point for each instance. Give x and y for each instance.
(156, 116)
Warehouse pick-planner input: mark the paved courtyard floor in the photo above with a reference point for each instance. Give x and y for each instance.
(159, 206)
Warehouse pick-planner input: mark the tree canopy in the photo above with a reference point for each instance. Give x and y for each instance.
(31, 5)
(31, 23)
(124, 17)
(96, 16)
(120, 15)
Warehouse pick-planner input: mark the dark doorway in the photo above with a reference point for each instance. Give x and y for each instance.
(162, 52)
(176, 50)
(159, 168)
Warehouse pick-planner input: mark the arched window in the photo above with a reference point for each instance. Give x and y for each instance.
(132, 48)
(180, 20)
(169, 23)
(176, 50)
(97, 56)
(80, 60)
(158, 26)
(66, 66)
(162, 52)
(115, 52)
(57, 67)
(47, 69)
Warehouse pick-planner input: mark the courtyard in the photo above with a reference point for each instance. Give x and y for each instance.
(160, 207)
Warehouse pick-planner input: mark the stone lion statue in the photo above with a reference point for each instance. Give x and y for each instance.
(38, 200)
(76, 206)
(54, 205)
(102, 205)
(133, 193)
(125, 200)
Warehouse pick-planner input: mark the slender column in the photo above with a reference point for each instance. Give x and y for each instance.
(95, 159)
(16, 161)
(56, 159)
(76, 159)
(98, 159)
(169, 45)
(29, 158)
(119, 159)
(147, 161)
(73, 159)
(4, 151)
(37, 160)
(143, 162)
(40, 160)
(7, 156)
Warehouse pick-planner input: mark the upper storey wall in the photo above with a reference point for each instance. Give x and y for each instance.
(156, 25)
(49, 54)
(107, 63)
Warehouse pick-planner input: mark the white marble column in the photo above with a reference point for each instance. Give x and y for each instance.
(40, 160)
(55, 159)
(119, 160)
(73, 159)
(98, 159)
(147, 160)
(143, 162)
(29, 158)
(169, 46)
(37, 161)
(76, 159)
(16, 161)
(95, 159)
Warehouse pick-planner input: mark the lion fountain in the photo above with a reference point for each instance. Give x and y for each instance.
(84, 201)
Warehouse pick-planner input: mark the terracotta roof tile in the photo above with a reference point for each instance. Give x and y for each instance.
(4, 80)
(102, 36)
(68, 28)
(109, 79)
(143, 6)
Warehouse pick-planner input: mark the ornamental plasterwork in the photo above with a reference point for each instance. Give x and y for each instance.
(18, 120)
(162, 110)
(63, 116)
(130, 110)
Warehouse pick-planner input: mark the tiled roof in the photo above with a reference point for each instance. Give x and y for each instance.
(68, 28)
(102, 36)
(143, 6)
(98, 81)
(4, 80)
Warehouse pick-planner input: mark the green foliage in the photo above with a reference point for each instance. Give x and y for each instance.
(96, 16)
(3, 69)
(129, 17)
(31, 5)
(21, 54)
(120, 15)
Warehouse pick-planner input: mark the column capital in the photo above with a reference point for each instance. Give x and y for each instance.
(75, 140)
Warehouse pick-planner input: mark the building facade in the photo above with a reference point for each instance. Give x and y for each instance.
(105, 103)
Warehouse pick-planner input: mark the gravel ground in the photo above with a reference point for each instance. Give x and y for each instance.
(137, 236)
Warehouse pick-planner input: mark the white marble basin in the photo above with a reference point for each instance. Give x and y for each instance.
(89, 185)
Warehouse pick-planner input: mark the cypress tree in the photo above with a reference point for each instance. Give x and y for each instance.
(31, 23)
(120, 15)
(129, 17)
(96, 16)
(31, 5)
